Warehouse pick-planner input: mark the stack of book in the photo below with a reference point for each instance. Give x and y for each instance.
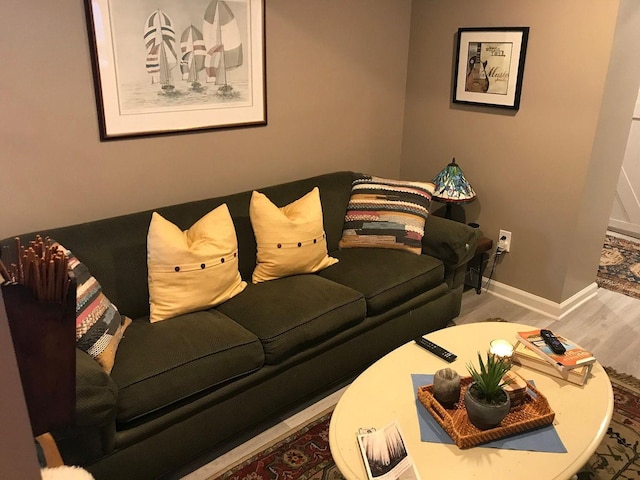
(574, 365)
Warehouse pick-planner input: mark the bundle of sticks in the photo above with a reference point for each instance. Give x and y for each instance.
(40, 266)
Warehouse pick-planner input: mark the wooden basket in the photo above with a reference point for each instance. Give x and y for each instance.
(533, 412)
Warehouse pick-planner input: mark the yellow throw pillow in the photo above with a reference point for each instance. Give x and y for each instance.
(195, 269)
(291, 239)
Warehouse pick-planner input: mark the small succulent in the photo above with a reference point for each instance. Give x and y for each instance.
(488, 380)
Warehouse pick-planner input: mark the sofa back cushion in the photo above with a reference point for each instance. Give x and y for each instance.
(115, 249)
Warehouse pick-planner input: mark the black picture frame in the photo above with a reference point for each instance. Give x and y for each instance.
(489, 66)
(187, 67)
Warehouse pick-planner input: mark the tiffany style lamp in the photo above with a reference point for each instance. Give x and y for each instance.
(452, 187)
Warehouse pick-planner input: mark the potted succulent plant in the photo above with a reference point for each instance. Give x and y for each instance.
(486, 402)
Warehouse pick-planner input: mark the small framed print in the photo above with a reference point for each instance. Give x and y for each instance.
(490, 66)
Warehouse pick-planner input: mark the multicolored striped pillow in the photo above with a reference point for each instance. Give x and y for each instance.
(99, 325)
(384, 213)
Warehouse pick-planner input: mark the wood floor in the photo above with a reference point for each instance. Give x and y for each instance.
(608, 325)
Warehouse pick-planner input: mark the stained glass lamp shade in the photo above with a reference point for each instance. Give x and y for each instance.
(452, 187)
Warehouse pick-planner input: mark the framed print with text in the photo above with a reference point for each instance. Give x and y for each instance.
(166, 66)
(490, 66)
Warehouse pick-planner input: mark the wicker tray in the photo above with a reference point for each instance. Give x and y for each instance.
(533, 412)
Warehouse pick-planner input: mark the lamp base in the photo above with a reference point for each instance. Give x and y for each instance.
(451, 211)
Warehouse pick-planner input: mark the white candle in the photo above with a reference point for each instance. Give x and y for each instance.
(501, 348)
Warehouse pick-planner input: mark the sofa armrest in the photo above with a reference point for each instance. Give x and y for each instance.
(452, 242)
(96, 393)
(93, 433)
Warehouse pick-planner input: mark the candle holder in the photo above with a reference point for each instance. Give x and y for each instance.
(446, 386)
(501, 348)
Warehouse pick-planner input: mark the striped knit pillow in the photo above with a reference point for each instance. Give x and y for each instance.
(384, 213)
(99, 325)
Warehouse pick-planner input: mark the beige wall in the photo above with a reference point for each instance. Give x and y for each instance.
(336, 74)
(609, 145)
(536, 170)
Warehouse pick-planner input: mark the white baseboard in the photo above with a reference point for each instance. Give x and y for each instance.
(539, 304)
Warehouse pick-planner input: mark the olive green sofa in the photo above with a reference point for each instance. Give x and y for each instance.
(186, 386)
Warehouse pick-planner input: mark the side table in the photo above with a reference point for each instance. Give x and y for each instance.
(478, 263)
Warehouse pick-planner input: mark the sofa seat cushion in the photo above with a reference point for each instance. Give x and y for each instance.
(292, 313)
(385, 277)
(162, 363)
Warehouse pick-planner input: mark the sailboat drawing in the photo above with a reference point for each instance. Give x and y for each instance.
(193, 57)
(223, 43)
(160, 38)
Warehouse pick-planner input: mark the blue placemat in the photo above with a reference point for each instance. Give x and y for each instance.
(544, 439)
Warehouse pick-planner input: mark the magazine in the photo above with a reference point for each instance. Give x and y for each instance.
(574, 357)
(385, 454)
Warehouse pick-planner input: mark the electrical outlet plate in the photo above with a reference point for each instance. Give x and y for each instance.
(505, 244)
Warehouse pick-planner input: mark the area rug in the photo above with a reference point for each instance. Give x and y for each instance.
(305, 454)
(618, 456)
(619, 268)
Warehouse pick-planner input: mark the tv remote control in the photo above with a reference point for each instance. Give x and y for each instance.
(554, 344)
(436, 349)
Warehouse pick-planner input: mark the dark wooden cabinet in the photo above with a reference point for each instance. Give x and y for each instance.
(43, 336)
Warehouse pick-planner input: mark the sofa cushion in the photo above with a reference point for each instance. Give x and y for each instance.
(292, 313)
(163, 363)
(385, 277)
(385, 213)
(192, 270)
(291, 239)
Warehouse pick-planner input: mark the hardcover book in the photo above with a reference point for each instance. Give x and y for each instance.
(526, 357)
(574, 356)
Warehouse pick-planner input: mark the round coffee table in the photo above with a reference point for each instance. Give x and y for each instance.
(384, 392)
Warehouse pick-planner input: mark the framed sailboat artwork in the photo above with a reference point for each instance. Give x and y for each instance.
(490, 66)
(169, 66)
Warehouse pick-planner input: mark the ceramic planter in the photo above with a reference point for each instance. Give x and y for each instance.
(484, 415)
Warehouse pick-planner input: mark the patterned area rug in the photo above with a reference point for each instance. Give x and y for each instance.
(619, 268)
(305, 454)
(618, 456)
